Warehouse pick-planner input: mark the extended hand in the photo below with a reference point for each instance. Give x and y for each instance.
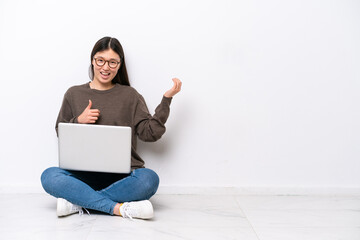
(175, 89)
(89, 115)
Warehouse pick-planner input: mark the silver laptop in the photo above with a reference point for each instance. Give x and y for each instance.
(96, 148)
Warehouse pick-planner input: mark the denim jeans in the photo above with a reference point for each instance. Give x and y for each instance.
(100, 191)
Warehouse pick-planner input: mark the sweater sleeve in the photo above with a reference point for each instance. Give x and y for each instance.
(66, 114)
(150, 128)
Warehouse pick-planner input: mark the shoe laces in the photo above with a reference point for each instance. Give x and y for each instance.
(129, 211)
(81, 212)
(76, 208)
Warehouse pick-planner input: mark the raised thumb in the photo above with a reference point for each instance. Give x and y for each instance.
(90, 104)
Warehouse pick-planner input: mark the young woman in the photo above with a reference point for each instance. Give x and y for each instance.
(109, 100)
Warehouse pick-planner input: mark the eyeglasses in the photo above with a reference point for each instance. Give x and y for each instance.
(101, 62)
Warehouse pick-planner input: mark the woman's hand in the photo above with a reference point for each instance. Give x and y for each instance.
(89, 115)
(175, 89)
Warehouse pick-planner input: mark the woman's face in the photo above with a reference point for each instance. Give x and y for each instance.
(108, 59)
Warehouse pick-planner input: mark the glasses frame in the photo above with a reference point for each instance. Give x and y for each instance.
(106, 61)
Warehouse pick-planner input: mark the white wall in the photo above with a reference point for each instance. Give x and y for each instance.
(270, 88)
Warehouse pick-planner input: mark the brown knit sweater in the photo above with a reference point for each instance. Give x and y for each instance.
(119, 106)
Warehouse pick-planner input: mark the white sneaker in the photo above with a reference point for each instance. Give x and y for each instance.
(65, 208)
(140, 209)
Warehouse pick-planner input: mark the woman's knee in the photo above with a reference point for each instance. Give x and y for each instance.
(149, 180)
(49, 178)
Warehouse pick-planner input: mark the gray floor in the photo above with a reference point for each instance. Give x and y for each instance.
(32, 216)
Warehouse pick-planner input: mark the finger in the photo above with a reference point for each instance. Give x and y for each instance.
(175, 83)
(178, 85)
(94, 114)
(93, 118)
(176, 80)
(94, 110)
(90, 104)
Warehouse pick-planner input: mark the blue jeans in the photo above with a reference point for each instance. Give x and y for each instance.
(100, 191)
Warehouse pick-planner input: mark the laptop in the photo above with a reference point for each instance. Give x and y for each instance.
(95, 148)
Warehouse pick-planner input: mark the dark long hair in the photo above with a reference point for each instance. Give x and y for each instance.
(111, 43)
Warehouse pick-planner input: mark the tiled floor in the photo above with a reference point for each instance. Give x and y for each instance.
(32, 216)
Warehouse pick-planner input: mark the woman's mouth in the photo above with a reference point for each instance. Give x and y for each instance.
(104, 74)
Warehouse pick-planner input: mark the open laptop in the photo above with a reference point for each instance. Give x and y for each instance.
(95, 148)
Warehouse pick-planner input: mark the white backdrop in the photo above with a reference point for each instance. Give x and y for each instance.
(270, 94)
